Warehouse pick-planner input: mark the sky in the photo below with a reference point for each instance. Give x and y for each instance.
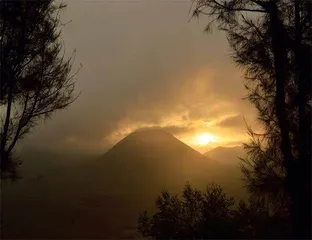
(146, 64)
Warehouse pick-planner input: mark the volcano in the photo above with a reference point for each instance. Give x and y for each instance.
(153, 159)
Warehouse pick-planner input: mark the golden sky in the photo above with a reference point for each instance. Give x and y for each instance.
(146, 65)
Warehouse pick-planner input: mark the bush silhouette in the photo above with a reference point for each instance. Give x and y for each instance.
(210, 214)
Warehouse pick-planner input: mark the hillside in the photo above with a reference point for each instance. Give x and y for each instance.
(72, 196)
(150, 160)
(229, 165)
(226, 155)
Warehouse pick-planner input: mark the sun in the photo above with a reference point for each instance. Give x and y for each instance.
(204, 139)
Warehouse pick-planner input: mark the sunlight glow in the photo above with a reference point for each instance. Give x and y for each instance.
(204, 139)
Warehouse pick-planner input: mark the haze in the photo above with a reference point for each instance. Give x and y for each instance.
(146, 65)
(157, 94)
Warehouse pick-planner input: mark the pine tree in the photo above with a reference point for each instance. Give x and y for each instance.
(35, 75)
(271, 42)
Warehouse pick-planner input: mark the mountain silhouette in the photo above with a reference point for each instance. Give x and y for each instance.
(226, 155)
(229, 165)
(153, 159)
(100, 197)
(152, 141)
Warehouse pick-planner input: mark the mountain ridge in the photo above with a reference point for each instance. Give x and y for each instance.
(159, 137)
(103, 197)
(156, 156)
(226, 154)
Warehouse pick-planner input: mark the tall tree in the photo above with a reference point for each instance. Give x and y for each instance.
(271, 40)
(36, 77)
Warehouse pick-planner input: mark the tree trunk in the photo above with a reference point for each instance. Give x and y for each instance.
(298, 171)
(302, 223)
(4, 135)
(280, 63)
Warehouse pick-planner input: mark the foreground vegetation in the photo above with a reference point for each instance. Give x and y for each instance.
(212, 214)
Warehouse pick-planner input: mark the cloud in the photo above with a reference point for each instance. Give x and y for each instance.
(233, 122)
(140, 70)
(177, 130)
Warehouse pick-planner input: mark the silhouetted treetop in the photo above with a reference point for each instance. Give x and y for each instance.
(36, 77)
(210, 214)
(271, 41)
